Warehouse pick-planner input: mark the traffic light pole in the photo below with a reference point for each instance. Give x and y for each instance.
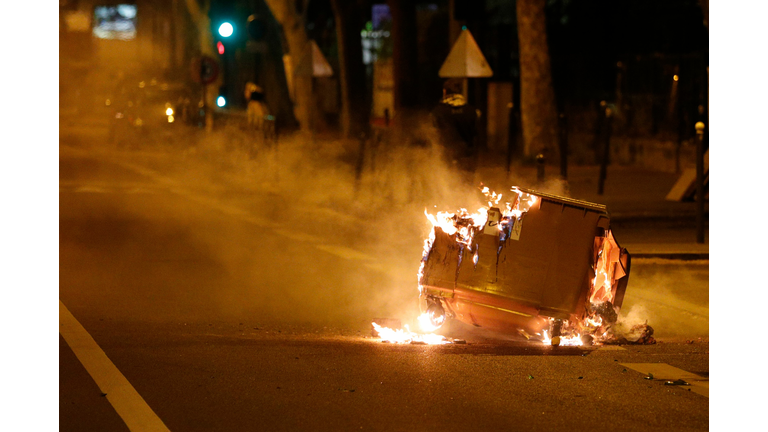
(207, 111)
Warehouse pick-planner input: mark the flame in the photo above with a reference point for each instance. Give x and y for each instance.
(572, 340)
(404, 336)
(425, 323)
(463, 225)
(591, 321)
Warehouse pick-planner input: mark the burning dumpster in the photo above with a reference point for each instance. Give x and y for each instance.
(539, 265)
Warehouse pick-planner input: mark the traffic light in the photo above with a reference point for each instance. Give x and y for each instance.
(256, 27)
(221, 100)
(226, 29)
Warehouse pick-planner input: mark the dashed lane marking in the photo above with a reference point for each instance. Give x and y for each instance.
(663, 371)
(345, 252)
(297, 235)
(611, 348)
(128, 404)
(90, 189)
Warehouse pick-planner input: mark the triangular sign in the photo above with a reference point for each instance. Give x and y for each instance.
(465, 60)
(315, 64)
(320, 66)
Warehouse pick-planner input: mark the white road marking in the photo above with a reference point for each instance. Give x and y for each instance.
(70, 186)
(130, 406)
(663, 371)
(345, 252)
(90, 189)
(298, 235)
(611, 348)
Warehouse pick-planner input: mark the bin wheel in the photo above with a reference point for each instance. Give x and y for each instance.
(436, 315)
(433, 308)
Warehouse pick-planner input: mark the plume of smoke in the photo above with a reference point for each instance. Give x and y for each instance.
(672, 298)
(376, 202)
(367, 197)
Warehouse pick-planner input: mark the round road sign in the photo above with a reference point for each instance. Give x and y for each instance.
(205, 70)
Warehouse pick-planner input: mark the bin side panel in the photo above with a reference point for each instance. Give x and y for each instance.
(550, 262)
(442, 262)
(483, 274)
(521, 276)
(501, 320)
(571, 256)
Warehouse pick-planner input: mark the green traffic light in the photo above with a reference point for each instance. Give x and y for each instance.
(226, 29)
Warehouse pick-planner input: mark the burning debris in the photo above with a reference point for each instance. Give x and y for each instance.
(405, 335)
(638, 334)
(541, 265)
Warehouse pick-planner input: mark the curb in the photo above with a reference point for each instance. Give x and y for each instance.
(681, 256)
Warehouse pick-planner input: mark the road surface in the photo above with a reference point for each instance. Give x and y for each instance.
(191, 305)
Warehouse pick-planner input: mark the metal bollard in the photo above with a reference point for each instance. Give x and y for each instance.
(700, 182)
(598, 129)
(511, 134)
(540, 160)
(606, 151)
(360, 165)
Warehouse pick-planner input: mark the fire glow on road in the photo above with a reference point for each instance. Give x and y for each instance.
(407, 336)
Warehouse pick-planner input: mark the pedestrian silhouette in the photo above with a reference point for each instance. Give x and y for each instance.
(257, 108)
(456, 121)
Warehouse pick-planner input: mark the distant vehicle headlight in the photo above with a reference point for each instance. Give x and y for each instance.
(169, 111)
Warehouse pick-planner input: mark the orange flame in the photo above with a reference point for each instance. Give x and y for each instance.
(572, 340)
(404, 336)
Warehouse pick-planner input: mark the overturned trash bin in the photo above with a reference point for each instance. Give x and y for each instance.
(543, 265)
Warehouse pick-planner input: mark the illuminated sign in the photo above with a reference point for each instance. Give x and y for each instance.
(115, 22)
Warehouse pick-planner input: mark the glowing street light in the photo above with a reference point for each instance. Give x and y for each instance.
(220, 101)
(226, 29)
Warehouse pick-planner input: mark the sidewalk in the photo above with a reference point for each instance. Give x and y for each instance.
(642, 219)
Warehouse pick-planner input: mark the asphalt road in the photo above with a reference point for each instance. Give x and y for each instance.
(227, 311)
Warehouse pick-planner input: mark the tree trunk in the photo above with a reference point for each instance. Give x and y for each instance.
(537, 96)
(354, 109)
(292, 23)
(199, 15)
(404, 55)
